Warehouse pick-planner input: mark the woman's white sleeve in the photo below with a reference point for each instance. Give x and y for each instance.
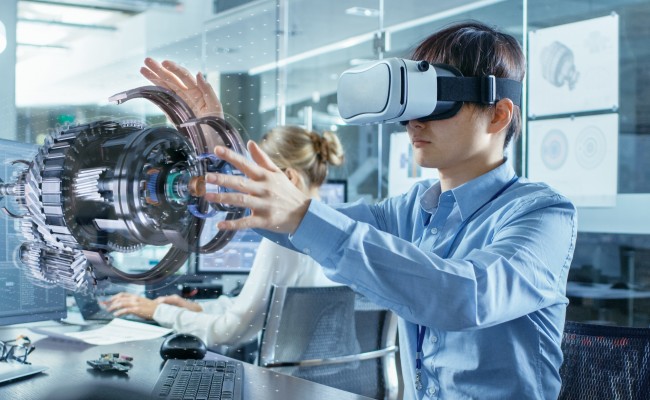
(237, 320)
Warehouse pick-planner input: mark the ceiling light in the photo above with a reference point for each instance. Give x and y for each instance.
(362, 12)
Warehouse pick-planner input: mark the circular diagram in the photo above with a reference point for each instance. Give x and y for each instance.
(555, 149)
(590, 147)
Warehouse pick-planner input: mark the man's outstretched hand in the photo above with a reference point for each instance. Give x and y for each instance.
(275, 203)
(195, 91)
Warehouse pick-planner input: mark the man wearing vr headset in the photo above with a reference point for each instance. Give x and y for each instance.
(475, 264)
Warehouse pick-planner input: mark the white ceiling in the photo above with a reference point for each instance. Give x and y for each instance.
(90, 52)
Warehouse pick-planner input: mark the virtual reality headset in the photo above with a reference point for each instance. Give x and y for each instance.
(396, 89)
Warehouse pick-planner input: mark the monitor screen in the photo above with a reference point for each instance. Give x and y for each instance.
(20, 299)
(235, 258)
(334, 191)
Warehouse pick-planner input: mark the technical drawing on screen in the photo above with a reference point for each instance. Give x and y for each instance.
(115, 186)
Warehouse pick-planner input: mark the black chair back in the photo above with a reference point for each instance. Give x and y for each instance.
(605, 362)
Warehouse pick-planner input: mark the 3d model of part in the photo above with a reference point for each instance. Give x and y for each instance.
(558, 65)
(115, 186)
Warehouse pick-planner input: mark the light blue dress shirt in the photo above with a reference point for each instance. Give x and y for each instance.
(494, 310)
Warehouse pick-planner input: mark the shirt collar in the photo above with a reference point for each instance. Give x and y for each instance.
(470, 195)
(429, 201)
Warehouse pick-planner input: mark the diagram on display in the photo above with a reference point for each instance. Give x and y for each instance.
(577, 156)
(591, 147)
(403, 171)
(558, 65)
(574, 68)
(555, 149)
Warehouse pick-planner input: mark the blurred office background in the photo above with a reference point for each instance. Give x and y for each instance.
(277, 62)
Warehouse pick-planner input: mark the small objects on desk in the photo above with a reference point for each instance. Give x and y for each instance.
(112, 362)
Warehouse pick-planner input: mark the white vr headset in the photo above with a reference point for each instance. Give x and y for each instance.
(396, 89)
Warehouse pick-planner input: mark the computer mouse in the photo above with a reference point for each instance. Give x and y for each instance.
(183, 346)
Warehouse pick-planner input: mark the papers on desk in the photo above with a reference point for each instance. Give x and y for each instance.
(117, 331)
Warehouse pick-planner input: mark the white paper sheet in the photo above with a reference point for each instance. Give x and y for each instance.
(576, 156)
(117, 331)
(574, 67)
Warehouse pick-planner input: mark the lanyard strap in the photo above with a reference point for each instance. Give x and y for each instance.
(421, 330)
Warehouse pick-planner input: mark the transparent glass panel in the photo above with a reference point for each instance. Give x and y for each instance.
(608, 279)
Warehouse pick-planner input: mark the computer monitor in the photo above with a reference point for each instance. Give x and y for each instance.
(20, 299)
(334, 191)
(235, 258)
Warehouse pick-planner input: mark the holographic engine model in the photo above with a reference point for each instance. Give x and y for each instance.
(116, 186)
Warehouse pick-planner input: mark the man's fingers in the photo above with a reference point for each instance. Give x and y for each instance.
(241, 223)
(237, 183)
(151, 76)
(181, 73)
(250, 169)
(209, 96)
(235, 199)
(260, 157)
(163, 73)
(166, 83)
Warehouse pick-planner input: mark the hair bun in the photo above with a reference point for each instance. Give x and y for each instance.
(321, 147)
(328, 147)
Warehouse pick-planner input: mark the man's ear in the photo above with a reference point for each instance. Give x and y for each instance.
(502, 115)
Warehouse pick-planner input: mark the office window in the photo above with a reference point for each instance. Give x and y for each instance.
(609, 279)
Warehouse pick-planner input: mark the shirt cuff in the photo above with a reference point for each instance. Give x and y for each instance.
(166, 314)
(321, 231)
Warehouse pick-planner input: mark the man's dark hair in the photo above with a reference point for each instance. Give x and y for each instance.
(478, 50)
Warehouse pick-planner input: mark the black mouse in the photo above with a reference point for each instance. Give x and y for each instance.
(620, 285)
(183, 346)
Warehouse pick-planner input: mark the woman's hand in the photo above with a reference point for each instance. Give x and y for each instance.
(276, 204)
(195, 91)
(178, 301)
(127, 303)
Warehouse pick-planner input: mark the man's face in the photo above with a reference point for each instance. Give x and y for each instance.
(451, 142)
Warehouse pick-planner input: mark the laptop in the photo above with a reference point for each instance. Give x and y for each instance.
(10, 371)
(91, 310)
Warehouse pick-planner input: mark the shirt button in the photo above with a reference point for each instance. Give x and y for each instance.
(434, 339)
(306, 251)
(434, 230)
(431, 391)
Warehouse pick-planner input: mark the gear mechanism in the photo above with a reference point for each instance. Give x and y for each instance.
(116, 186)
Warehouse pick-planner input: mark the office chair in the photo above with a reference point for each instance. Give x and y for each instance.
(605, 362)
(315, 333)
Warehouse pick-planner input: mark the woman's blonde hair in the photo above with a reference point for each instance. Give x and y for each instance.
(308, 152)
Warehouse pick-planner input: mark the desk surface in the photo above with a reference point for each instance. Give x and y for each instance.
(603, 291)
(68, 372)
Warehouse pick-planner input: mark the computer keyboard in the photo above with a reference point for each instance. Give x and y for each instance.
(200, 380)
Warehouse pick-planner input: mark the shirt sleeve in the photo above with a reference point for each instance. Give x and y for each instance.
(519, 270)
(231, 321)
